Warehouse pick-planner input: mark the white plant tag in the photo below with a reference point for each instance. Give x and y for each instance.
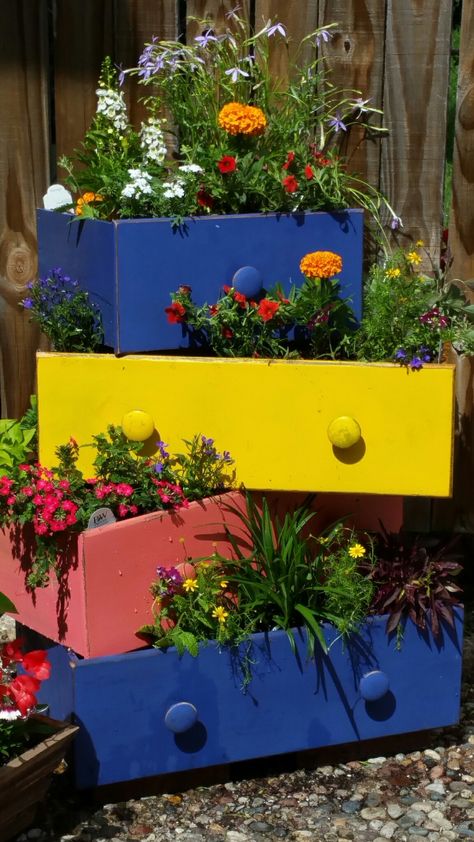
(57, 197)
(101, 517)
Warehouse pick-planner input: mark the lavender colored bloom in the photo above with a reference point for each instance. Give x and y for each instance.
(121, 74)
(227, 457)
(396, 223)
(162, 448)
(324, 36)
(336, 123)
(359, 105)
(30, 284)
(235, 72)
(203, 40)
(276, 27)
(158, 467)
(401, 355)
(416, 363)
(27, 303)
(232, 13)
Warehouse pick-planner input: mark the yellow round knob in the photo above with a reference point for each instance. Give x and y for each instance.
(344, 431)
(137, 425)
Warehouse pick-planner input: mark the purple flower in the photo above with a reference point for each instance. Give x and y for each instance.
(162, 448)
(232, 13)
(324, 35)
(400, 355)
(227, 457)
(203, 40)
(359, 105)
(27, 303)
(235, 72)
(396, 223)
(158, 467)
(336, 123)
(121, 74)
(276, 27)
(416, 363)
(207, 442)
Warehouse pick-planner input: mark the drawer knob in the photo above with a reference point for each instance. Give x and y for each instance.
(374, 685)
(248, 281)
(344, 431)
(137, 425)
(181, 717)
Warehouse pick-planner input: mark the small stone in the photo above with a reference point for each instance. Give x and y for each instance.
(376, 824)
(370, 813)
(395, 811)
(260, 827)
(236, 836)
(456, 786)
(434, 755)
(437, 786)
(325, 770)
(465, 830)
(373, 799)
(466, 793)
(280, 832)
(350, 807)
(376, 760)
(388, 830)
(417, 831)
(436, 772)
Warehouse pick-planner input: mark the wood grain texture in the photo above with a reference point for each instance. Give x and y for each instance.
(24, 171)
(215, 11)
(355, 54)
(135, 23)
(299, 19)
(83, 36)
(415, 94)
(461, 230)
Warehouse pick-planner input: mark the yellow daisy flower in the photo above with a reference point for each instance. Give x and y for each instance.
(393, 273)
(414, 258)
(220, 614)
(357, 551)
(190, 585)
(419, 244)
(223, 583)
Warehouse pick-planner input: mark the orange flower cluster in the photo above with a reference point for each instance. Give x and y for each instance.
(236, 118)
(86, 199)
(321, 264)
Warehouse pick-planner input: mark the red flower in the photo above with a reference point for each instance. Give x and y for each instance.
(12, 652)
(241, 299)
(204, 198)
(22, 690)
(176, 313)
(289, 160)
(213, 309)
(227, 288)
(290, 184)
(227, 164)
(36, 663)
(227, 333)
(267, 309)
(321, 160)
(308, 171)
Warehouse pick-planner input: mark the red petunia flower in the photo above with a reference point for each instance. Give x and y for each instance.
(176, 313)
(309, 172)
(227, 333)
(213, 309)
(267, 309)
(204, 199)
(37, 664)
(290, 184)
(22, 690)
(227, 289)
(227, 164)
(241, 299)
(289, 160)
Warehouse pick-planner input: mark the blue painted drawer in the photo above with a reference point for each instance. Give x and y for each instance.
(130, 267)
(121, 701)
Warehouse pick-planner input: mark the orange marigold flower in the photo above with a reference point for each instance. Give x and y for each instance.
(236, 118)
(86, 199)
(321, 264)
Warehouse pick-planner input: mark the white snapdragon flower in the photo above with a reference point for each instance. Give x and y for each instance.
(111, 104)
(9, 715)
(173, 190)
(190, 168)
(138, 186)
(152, 141)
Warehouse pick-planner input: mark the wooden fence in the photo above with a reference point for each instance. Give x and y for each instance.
(395, 51)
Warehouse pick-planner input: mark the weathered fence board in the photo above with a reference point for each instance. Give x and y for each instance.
(461, 230)
(217, 12)
(415, 85)
(299, 20)
(24, 170)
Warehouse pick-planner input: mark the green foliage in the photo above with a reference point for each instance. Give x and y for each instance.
(19, 735)
(6, 605)
(202, 470)
(18, 440)
(409, 315)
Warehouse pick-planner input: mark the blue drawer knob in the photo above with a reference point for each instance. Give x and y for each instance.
(181, 717)
(373, 685)
(248, 281)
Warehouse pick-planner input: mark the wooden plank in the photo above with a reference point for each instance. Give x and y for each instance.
(299, 19)
(83, 36)
(415, 95)
(135, 23)
(356, 59)
(216, 12)
(461, 231)
(24, 170)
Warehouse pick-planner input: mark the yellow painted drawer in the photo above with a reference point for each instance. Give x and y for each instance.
(273, 416)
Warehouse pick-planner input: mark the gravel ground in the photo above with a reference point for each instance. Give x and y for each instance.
(412, 788)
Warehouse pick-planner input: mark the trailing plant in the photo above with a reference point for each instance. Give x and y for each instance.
(17, 442)
(64, 313)
(312, 321)
(413, 581)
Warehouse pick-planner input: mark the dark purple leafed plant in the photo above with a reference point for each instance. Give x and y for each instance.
(414, 581)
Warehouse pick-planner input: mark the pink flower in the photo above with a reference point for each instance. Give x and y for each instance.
(122, 510)
(124, 489)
